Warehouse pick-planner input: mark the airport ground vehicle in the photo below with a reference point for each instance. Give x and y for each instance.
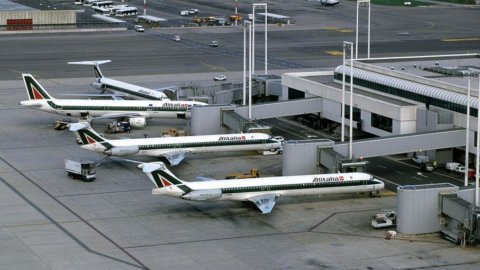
(421, 159)
(235, 17)
(461, 170)
(139, 28)
(184, 12)
(221, 77)
(176, 38)
(213, 44)
(451, 166)
(386, 218)
(253, 173)
(193, 11)
(80, 169)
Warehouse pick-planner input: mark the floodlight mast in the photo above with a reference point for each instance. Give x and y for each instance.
(362, 2)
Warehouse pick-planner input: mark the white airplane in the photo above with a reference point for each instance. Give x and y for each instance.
(135, 110)
(263, 192)
(173, 148)
(121, 88)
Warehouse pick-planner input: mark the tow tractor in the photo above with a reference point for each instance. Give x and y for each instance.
(386, 218)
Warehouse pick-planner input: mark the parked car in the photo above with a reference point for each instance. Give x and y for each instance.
(193, 11)
(139, 28)
(176, 38)
(427, 167)
(184, 12)
(213, 44)
(221, 77)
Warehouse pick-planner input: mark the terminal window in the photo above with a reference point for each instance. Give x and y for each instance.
(381, 122)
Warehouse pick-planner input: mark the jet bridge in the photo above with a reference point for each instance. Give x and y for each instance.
(403, 143)
(332, 157)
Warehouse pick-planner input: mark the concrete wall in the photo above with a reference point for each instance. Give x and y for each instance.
(41, 17)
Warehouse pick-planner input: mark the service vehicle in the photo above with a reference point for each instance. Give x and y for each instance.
(461, 170)
(193, 11)
(80, 169)
(421, 159)
(184, 13)
(214, 43)
(386, 218)
(139, 28)
(221, 77)
(451, 166)
(176, 38)
(253, 173)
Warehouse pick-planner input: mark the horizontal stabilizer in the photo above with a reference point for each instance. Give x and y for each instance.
(151, 167)
(90, 63)
(78, 126)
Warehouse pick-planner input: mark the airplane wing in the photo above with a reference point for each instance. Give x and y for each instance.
(118, 115)
(90, 63)
(173, 87)
(175, 157)
(265, 202)
(113, 96)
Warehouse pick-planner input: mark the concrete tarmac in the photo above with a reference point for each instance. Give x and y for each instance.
(49, 221)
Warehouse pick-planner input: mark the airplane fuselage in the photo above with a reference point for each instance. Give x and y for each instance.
(131, 90)
(242, 189)
(191, 144)
(95, 108)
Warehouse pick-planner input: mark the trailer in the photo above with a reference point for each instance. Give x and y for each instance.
(80, 169)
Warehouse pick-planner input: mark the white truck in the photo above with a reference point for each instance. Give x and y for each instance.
(80, 169)
(384, 219)
(421, 159)
(452, 166)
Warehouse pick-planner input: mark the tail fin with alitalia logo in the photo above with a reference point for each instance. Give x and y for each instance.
(34, 90)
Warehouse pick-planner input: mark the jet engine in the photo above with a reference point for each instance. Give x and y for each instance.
(99, 86)
(138, 122)
(203, 195)
(122, 150)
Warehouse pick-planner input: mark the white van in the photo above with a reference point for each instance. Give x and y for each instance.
(452, 166)
(139, 28)
(421, 159)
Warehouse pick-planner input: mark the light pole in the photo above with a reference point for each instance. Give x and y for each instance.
(144, 7)
(253, 35)
(362, 2)
(467, 139)
(236, 16)
(346, 44)
(477, 202)
(245, 61)
(350, 148)
(250, 71)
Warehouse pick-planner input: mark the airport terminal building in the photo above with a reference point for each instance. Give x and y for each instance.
(400, 98)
